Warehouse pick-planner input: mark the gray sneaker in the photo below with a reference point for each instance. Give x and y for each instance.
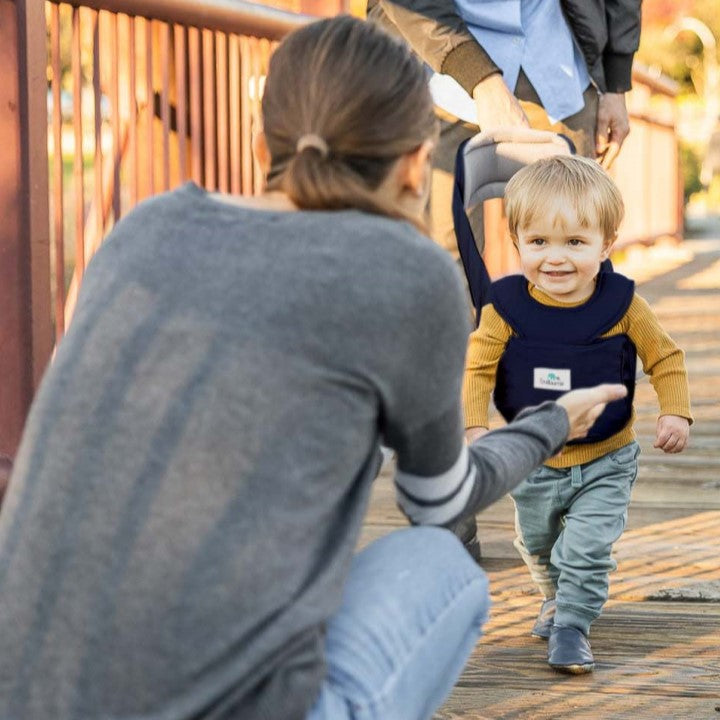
(544, 623)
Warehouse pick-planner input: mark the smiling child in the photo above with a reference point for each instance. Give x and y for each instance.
(563, 324)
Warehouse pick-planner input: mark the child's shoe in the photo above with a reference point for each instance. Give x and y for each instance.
(569, 650)
(544, 622)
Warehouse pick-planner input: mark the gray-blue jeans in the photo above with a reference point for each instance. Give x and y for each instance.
(567, 520)
(413, 607)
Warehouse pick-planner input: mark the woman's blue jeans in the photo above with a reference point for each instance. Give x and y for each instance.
(413, 608)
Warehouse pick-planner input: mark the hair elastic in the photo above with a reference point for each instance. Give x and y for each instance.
(310, 140)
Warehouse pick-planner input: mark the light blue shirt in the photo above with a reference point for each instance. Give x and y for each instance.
(532, 34)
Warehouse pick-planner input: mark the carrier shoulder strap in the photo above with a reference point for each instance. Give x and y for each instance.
(483, 166)
(532, 320)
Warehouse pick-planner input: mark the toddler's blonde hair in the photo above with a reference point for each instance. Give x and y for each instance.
(594, 196)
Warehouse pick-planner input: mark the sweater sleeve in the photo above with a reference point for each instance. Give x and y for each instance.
(438, 477)
(486, 346)
(486, 470)
(662, 360)
(437, 33)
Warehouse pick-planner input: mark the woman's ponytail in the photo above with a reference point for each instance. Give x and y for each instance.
(343, 101)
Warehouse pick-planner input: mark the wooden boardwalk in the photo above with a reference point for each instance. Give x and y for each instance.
(657, 644)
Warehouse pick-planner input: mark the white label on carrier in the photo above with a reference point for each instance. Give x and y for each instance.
(551, 379)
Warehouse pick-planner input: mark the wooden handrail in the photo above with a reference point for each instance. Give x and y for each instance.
(656, 82)
(231, 16)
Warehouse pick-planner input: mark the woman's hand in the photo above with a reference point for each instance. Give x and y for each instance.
(584, 406)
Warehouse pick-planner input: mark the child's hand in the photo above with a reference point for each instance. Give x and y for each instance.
(474, 433)
(672, 433)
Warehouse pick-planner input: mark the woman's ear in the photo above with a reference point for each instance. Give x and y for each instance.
(261, 151)
(414, 174)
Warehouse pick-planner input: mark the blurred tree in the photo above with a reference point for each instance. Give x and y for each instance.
(690, 168)
(678, 55)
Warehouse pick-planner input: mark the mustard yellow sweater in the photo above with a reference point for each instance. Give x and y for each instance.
(661, 359)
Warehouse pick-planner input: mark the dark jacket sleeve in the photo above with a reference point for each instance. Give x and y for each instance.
(437, 33)
(608, 34)
(623, 23)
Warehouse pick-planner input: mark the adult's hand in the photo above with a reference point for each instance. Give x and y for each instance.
(496, 106)
(613, 126)
(584, 406)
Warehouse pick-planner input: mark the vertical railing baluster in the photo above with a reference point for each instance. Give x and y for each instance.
(194, 66)
(57, 191)
(255, 54)
(165, 102)
(134, 163)
(78, 174)
(221, 64)
(150, 109)
(208, 38)
(245, 116)
(181, 99)
(235, 121)
(97, 104)
(116, 156)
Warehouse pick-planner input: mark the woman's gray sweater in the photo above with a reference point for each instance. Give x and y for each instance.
(197, 463)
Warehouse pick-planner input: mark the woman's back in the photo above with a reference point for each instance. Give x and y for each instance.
(197, 464)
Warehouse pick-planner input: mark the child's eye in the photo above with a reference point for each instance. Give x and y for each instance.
(537, 241)
(574, 242)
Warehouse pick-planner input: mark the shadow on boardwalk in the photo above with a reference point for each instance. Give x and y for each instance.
(657, 644)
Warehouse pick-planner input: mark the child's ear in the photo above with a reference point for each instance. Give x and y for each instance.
(607, 249)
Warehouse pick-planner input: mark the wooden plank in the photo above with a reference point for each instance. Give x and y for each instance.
(574, 702)
(653, 659)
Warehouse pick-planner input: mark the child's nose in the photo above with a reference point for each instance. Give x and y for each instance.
(556, 255)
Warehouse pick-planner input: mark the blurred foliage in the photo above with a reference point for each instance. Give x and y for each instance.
(713, 193)
(87, 29)
(690, 162)
(678, 55)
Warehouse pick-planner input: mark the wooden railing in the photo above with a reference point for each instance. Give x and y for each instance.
(127, 99)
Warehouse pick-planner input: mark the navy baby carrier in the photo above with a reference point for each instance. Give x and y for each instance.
(557, 349)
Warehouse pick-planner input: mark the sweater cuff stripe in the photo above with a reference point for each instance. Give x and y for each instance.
(435, 487)
(443, 510)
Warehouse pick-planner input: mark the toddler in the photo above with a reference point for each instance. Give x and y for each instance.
(565, 323)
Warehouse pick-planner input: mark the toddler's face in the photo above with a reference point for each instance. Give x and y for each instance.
(561, 256)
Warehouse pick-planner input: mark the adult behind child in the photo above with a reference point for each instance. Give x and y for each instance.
(553, 65)
(178, 537)
(564, 324)
(560, 65)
